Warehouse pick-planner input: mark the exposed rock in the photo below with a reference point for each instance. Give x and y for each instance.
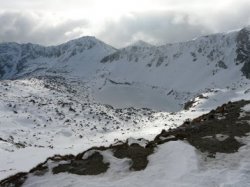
(93, 165)
(212, 124)
(222, 64)
(136, 153)
(211, 133)
(243, 51)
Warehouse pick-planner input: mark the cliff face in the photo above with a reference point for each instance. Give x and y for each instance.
(243, 51)
(19, 59)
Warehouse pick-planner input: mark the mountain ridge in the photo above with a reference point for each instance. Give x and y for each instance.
(156, 55)
(185, 69)
(68, 98)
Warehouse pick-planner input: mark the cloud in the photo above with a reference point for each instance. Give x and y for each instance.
(36, 28)
(119, 22)
(153, 27)
(161, 27)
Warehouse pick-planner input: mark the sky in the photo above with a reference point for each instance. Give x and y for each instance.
(118, 22)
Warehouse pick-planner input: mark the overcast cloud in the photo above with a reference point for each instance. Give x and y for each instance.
(118, 22)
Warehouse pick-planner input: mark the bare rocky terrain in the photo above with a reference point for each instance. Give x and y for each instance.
(215, 132)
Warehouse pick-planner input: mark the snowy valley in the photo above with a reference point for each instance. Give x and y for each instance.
(102, 112)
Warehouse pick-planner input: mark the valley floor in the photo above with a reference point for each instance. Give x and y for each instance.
(39, 120)
(174, 162)
(42, 117)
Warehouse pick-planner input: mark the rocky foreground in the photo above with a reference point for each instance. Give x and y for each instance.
(219, 131)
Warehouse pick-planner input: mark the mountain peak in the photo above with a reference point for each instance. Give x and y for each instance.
(141, 43)
(83, 41)
(86, 42)
(84, 38)
(247, 27)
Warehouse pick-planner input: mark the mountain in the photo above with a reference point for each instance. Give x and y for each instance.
(205, 58)
(19, 60)
(141, 43)
(172, 74)
(181, 69)
(84, 94)
(243, 51)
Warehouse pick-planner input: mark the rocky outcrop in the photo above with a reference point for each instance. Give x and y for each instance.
(243, 51)
(210, 133)
(214, 132)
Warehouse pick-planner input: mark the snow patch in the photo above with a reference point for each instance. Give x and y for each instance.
(246, 108)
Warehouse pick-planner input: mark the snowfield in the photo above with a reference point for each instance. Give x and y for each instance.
(41, 127)
(246, 108)
(168, 166)
(68, 98)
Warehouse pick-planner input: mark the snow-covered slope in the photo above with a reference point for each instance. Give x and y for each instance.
(212, 60)
(177, 72)
(67, 98)
(211, 150)
(81, 56)
(171, 74)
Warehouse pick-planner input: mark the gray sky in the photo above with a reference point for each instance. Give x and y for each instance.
(118, 22)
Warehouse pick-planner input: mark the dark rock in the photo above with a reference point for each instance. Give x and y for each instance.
(243, 51)
(93, 165)
(14, 181)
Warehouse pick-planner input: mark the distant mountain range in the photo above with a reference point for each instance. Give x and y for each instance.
(215, 53)
(68, 98)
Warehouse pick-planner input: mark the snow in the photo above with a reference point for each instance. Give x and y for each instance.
(138, 97)
(21, 159)
(43, 131)
(141, 43)
(183, 69)
(167, 166)
(117, 166)
(64, 139)
(141, 142)
(221, 137)
(161, 78)
(167, 156)
(246, 108)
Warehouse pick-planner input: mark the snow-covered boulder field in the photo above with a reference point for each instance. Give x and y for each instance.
(146, 115)
(211, 150)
